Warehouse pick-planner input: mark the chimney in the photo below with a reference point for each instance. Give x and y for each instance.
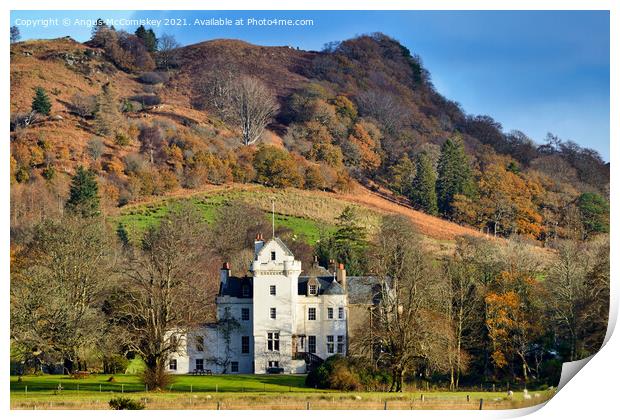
(258, 243)
(341, 276)
(224, 274)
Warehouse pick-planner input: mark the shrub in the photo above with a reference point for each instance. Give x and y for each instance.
(49, 173)
(22, 175)
(153, 78)
(22, 119)
(345, 374)
(83, 105)
(146, 100)
(122, 139)
(122, 403)
(95, 148)
(276, 168)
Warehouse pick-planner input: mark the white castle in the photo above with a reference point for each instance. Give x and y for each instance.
(274, 321)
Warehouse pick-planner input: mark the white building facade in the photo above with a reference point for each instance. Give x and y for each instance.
(279, 319)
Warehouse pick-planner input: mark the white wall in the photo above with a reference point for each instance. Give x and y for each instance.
(283, 273)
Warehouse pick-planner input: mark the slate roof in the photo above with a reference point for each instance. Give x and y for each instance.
(233, 287)
(363, 290)
(324, 283)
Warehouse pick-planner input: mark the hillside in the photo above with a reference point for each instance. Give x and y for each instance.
(362, 111)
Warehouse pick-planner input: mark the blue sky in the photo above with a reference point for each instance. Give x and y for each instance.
(537, 71)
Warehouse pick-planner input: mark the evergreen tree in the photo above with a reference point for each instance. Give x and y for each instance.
(402, 175)
(148, 38)
(15, 35)
(453, 174)
(347, 245)
(594, 211)
(423, 193)
(83, 195)
(41, 102)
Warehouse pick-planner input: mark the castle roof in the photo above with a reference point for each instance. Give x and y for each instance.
(234, 287)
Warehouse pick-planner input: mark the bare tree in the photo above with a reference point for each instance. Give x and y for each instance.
(243, 101)
(167, 52)
(405, 325)
(57, 285)
(165, 292)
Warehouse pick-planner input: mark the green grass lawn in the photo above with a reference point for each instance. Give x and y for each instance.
(182, 383)
(241, 392)
(138, 219)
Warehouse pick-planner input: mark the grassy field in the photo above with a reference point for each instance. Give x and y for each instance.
(303, 212)
(241, 392)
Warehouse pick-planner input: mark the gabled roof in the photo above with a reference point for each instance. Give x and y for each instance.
(282, 245)
(334, 289)
(365, 290)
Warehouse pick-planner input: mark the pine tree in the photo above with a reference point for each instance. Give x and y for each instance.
(41, 102)
(83, 195)
(402, 175)
(348, 244)
(423, 193)
(453, 174)
(148, 38)
(15, 35)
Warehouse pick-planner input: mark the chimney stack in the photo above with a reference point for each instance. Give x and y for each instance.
(341, 276)
(258, 243)
(224, 274)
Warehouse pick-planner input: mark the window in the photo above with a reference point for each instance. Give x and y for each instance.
(273, 341)
(272, 290)
(341, 344)
(312, 289)
(245, 290)
(330, 343)
(312, 344)
(200, 364)
(274, 363)
(245, 344)
(245, 314)
(330, 313)
(341, 313)
(234, 367)
(273, 255)
(272, 313)
(200, 343)
(173, 364)
(312, 314)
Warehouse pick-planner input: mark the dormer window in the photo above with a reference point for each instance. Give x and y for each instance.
(273, 255)
(312, 289)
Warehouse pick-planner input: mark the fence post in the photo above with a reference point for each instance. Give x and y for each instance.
(99, 387)
(385, 405)
(468, 398)
(191, 388)
(26, 389)
(308, 405)
(218, 405)
(493, 387)
(122, 388)
(216, 389)
(481, 400)
(78, 388)
(422, 397)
